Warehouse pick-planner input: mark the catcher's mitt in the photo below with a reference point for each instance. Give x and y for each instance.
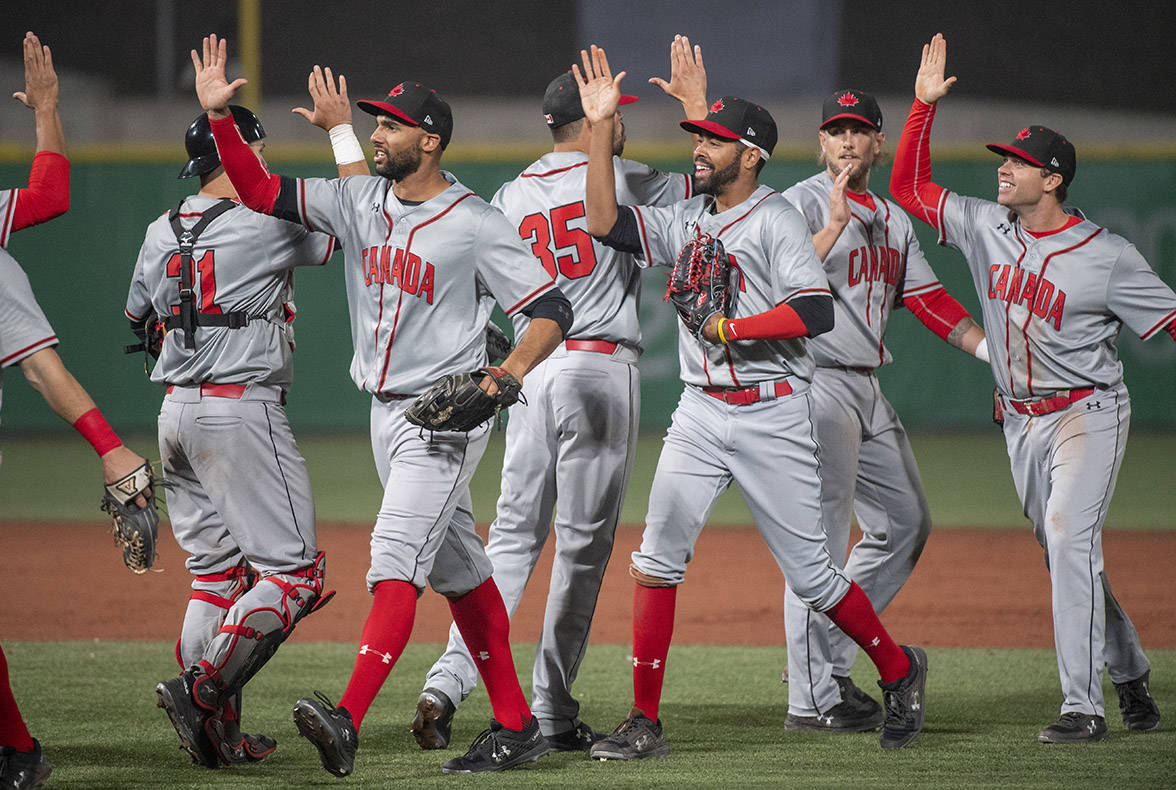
(699, 284)
(136, 529)
(498, 345)
(458, 403)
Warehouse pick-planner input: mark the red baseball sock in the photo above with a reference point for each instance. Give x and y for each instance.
(653, 626)
(854, 614)
(384, 636)
(12, 727)
(481, 617)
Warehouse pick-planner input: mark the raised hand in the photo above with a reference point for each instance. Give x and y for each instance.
(40, 91)
(687, 81)
(331, 105)
(212, 88)
(600, 91)
(838, 204)
(930, 86)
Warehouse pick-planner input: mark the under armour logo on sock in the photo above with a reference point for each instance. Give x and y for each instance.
(365, 649)
(483, 655)
(654, 664)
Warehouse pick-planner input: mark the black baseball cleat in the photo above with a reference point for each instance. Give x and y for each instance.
(855, 713)
(236, 747)
(498, 749)
(23, 770)
(635, 738)
(578, 739)
(331, 730)
(904, 702)
(432, 726)
(1139, 710)
(1074, 727)
(191, 721)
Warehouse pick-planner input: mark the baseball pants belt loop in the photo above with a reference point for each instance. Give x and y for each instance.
(745, 396)
(1048, 405)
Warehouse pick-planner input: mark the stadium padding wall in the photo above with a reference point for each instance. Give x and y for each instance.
(80, 266)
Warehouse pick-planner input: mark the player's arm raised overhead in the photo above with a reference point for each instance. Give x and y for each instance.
(331, 112)
(687, 81)
(47, 195)
(600, 95)
(910, 178)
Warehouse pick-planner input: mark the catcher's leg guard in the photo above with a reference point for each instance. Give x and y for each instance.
(213, 595)
(254, 628)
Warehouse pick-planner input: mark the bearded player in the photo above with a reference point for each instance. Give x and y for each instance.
(27, 340)
(571, 449)
(874, 264)
(744, 412)
(1055, 290)
(425, 260)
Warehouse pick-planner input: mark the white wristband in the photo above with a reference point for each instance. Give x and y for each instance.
(345, 144)
(981, 352)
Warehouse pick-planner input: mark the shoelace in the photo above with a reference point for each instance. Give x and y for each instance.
(323, 698)
(1134, 693)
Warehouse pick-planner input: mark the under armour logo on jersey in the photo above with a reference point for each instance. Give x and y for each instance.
(847, 99)
(654, 664)
(1021, 135)
(385, 657)
(1004, 228)
(1093, 405)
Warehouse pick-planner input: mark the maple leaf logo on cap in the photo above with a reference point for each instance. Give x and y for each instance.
(1021, 135)
(399, 89)
(717, 106)
(847, 99)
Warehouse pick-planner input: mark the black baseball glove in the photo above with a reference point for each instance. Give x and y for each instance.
(458, 403)
(136, 529)
(498, 346)
(700, 282)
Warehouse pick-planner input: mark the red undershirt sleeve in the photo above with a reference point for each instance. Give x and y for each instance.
(780, 322)
(256, 187)
(47, 195)
(938, 310)
(910, 177)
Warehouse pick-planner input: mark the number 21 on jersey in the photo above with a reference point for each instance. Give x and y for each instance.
(204, 282)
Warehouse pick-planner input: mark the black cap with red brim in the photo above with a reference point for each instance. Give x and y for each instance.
(416, 105)
(854, 105)
(561, 101)
(732, 118)
(1042, 147)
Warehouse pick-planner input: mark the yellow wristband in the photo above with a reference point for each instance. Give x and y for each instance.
(722, 336)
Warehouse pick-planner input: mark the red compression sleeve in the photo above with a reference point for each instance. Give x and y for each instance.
(94, 428)
(938, 310)
(47, 195)
(910, 178)
(778, 323)
(255, 186)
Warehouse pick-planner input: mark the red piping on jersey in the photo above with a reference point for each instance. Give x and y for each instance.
(689, 186)
(400, 298)
(4, 229)
(886, 299)
(1071, 222)
(727, 349)
(127, 313)
(557, 171)
(1008, 307)
(32, 346)
(910, 176)
(870, 285)
(744, 216)
(1040, 277)
(1171, 330)
(545, 287)
(1147, 335)
(388, 235)
(641, 230)
(330, 250)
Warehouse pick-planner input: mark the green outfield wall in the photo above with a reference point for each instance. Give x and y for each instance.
(80, 266)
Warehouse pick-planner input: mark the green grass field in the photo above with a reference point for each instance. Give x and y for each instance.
(966, 477)
(93, 706)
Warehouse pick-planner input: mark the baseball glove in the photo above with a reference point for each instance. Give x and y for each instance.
(136, 529)
(700, 282)
(498, 346)
(458, 403)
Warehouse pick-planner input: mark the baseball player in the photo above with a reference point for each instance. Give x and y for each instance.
(574, 442)
(874, 264)
(425, 258)
(27, 340)
(238, 491)
(744, 413)
(1055, 289)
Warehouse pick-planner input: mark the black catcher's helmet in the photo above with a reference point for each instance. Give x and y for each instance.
(202, 155)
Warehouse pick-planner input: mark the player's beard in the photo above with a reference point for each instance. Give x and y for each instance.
(619, 142)
(717, 180)
(398, 166)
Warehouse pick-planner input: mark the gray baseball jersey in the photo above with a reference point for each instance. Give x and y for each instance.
(242, 261)
(24, 330)
(574, 440)
(768, 446)
(1053, 307)
(421, 279)
(867, 465)
(7, 212)
(773, 260)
